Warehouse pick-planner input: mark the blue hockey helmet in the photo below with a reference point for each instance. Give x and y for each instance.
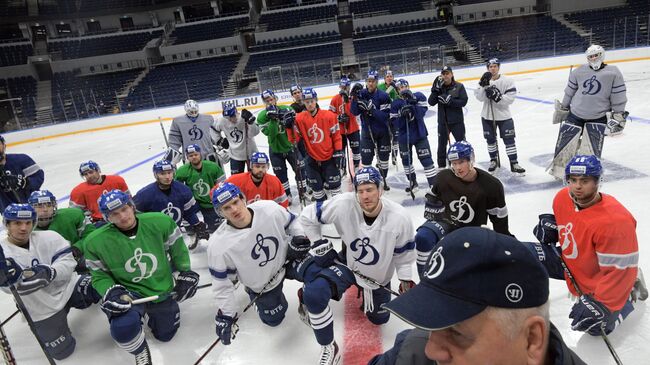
(38, 197)
(402, 83)
(19, 212)
(268, 93)
(192, 148)
(345, 81)
(294, 88)
(87, 166)
(584, 165)
(113, 200)
(225, 193)
(309, 93)
(372, 75)
(259, 158)
(229, 110)
(460, 150)
(162, 165)
(388, 73)
(367, 175)
(493, 61)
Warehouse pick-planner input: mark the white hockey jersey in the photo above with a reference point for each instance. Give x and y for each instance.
(50, 248)
(376, 250)
(237, 133)
(252, 254)
(501, 109)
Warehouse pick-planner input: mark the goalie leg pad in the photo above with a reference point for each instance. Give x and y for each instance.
(593, 138)
(568, 141)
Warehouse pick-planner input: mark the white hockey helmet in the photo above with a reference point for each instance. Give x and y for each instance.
(192, 108)
(595, 56)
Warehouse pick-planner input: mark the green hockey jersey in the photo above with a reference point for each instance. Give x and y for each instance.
(72, 224)
(201, 181)
(277, 136)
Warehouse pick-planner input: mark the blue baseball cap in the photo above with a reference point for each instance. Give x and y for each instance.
(468, 270)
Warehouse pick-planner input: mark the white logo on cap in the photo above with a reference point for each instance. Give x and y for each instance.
(514, 293)
(436, 264)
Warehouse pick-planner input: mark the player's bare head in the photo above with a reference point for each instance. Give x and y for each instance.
(163, 172)
(117, 207)
(259, 163)
(230, 203)
(583, 176)
(90, 171)
(310, 99)
(493, 65)
(193, 154)
(388, 76)
(44, 203)
(371, 80)
(296, 92)
(461, 158)
(19, 220)
(268, 96)
(368, 186)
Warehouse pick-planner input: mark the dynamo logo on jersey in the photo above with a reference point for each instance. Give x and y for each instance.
(237, 135)
(567, 239)
(195, 133)
(316, 134)
(201, 188)
(173, 212)
(145, 264)
(591, 86)
(368, 255)
(464, 211)
(265, 248)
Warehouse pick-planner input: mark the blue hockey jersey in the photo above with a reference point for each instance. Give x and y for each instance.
(378, 121)
(416, 128)
(29, 174)
(177, 202)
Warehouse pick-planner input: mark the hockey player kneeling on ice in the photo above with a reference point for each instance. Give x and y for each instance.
(598, 244)
(171, 197)
(407, 115)
(497, 92)
(377, 236)
(200, 175)
(235, 133)
(133, 257)
(41, 267)
(319, 130)
(257, 184)
(484, 299)
(461, 196)
(256, 246)
(593, 106)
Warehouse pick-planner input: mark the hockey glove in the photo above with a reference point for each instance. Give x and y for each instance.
(272, 112)
(407, 95)
(201, 231)
(343, 118)
(224, 326)
(116, 301)
(546, 229)
(437, 84)
(356, 89)
(186, 283)
(405, 285)
(173, 156)
(223, 155)
(406, 112)
(434, 208)
(615, 123)
(338, 158)
(288, 118)
(298, 248)
(11, 272)
(485, 79)
(247, 116)
(444, 99)
(35, 278)
(390, 87)
(365, 106)
(493, 94)
(589, 315)
(323, 252)
(223, 143)
(12, 182)
(560, 113)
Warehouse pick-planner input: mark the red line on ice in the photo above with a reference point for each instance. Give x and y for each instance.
(362, 339)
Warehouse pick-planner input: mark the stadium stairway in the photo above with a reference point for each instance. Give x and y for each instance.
(578, 28)
(473, 55)
(44, 102)
(230, 87)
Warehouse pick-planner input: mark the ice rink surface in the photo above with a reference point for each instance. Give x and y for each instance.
(132, 150)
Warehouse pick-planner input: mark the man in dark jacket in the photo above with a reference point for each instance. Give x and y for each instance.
(481, 291)
(451, 97)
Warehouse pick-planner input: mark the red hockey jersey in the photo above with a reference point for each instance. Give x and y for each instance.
(599, 246)
(85, 195)
(320, 133)
(269, 189)
(336, 106)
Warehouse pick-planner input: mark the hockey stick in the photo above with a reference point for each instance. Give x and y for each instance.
(410, 161)
(7, 354)
(21, 307)
(155, 297)
(163, 132)
(577, 288)
(9, 318)
(248, 306)
(370, 280)
(299, 179)
(496, 136)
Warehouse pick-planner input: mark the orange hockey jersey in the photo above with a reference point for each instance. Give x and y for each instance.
(269, 189)
(336, 106)
(599, 246)
(320, 133)
(85, 195)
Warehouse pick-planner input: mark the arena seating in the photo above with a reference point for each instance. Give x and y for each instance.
(395, 27)
(25, 88)
(203, 79)
(385, 6)
(293, 41)
(87, 47)
(209, 30)
(293, 17)
(402, 41)
(63, 7)
(92, 5)
(15, 54)
(498, 38)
